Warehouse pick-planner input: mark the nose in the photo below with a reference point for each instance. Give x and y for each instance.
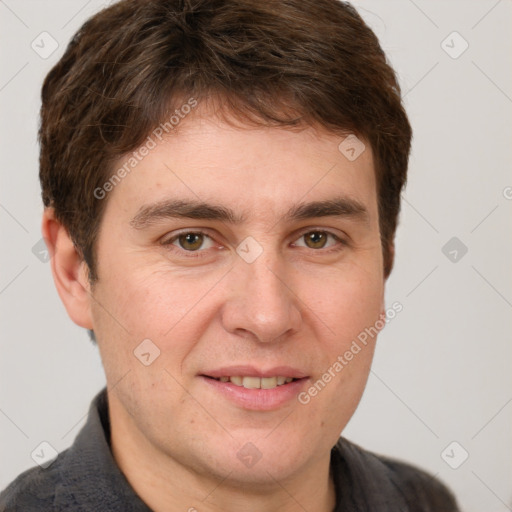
(261, 303)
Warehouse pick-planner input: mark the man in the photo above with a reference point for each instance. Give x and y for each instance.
(221, 181)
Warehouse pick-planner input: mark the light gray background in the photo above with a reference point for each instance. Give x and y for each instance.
(442, 367)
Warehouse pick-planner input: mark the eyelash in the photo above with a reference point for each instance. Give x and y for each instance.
(200, 253)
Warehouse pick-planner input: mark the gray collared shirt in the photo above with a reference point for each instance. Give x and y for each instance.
(85, 478)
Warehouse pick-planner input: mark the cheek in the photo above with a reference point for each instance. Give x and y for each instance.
(170, 310)
(345, 302)
(348, 310)
(153, 302)
(137, 314)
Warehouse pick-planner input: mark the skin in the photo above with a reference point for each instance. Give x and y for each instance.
(175, 439)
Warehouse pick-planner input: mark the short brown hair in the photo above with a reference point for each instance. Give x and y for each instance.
(273, 62)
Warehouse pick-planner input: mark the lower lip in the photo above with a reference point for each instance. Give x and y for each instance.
(258, 399)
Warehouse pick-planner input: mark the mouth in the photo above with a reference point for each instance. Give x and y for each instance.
(248, 382)
(254, 389)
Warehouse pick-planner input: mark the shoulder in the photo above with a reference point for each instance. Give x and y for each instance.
(420, 489)
(393, 481)
(32, 490)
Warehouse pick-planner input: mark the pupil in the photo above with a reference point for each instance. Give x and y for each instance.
(317, 239)
(191, 240)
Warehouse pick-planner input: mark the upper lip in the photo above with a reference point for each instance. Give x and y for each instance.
(252, 371)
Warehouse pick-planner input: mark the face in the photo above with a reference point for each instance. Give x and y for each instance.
(270, 283)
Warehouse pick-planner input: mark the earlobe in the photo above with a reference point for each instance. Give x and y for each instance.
(68, 269)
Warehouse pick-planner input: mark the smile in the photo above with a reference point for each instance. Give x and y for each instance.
(257, 382)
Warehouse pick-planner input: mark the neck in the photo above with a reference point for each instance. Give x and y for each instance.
(164, 484)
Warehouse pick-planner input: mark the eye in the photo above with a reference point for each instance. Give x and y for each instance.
(190, 241)
(318, 240)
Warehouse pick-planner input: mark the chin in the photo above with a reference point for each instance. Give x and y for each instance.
(264, 474)
(260, 462)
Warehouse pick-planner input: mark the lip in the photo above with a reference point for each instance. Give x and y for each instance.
(257, 399)
(251, 371)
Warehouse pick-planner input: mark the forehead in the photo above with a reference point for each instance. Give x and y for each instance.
(256, 171)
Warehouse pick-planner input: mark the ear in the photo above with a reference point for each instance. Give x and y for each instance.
(389, 259)
(70, 272)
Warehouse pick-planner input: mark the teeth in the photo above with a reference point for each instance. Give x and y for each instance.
(257, 382)
(251, 382)
(268, 382)
(236, 380)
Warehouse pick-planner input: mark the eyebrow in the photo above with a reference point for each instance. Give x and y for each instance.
(193, 209)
